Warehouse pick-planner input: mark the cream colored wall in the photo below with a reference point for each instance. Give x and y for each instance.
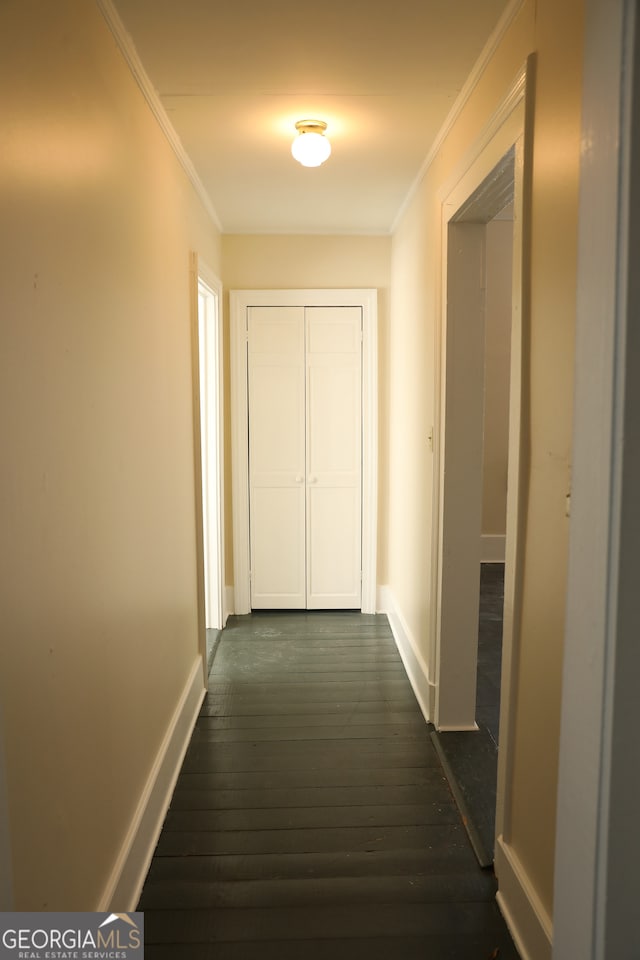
(414, 278)
(280, 262)
(553, 31)
(98, 586)
(499, 248)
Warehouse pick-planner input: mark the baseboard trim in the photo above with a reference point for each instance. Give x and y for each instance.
(528, 921)
(458, 728)
(414, 664)
(492, 548)
(124, 886)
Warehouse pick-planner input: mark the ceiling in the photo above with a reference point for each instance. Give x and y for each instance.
(235, 75)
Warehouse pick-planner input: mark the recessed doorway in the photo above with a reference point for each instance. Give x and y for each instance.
(491, 180)
(211, 452)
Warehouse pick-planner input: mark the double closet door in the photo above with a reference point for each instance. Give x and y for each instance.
(305, 456)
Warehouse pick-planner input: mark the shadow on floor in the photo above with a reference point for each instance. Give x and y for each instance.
(213, 639)
(470, 759)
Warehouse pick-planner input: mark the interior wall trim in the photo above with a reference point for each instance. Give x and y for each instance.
(528, 921)
(124, 885)
(133, 61)
(414, 663)
(505, 110)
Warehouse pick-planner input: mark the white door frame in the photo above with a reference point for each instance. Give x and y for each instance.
(510, 129)
(240, 300)
(473, 194)
(209, 402)
(598, 842)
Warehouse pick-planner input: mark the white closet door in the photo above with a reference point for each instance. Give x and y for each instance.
(277, 457)
(334, 457)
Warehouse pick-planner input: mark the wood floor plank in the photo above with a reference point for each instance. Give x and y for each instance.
(287, 658)
(407, 718)
(314, 817)
(288, 653)
(407, 948)
(341, 841)
(343, 651)
(377, 688)
(267, 623)
(448, 854)
(351, 645)
(417, 748)
(330, 668)
(213, 706)
(451, 946)
(281, 798)
(352, 691)
(209, 761)
(345, 731)
(405, 888)
(237, 700)
(303, 672)
(324, 922)
(309, 778)
(342, 638)
(379, 678)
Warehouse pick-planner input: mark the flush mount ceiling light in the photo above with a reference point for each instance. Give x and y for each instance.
(311, 147)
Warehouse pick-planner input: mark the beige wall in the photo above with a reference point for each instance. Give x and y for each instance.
(497, 340)
(98, 585)
(280, 262)
(553, 31)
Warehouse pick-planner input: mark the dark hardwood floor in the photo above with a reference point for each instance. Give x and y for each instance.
(311, 818)
(490, 648)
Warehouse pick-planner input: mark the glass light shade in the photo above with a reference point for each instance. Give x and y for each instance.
(310, 149)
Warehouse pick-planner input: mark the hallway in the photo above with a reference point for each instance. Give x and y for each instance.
(311, 816)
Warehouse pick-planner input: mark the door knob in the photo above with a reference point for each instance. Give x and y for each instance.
(299, 479)
(313, 479)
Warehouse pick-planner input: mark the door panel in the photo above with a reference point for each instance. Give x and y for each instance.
(334, 457)
(278, 548)
(305, 453)
(333, 439)
(277, 457)
(333, 565)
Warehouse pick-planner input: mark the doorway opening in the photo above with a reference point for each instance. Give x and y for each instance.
(480, 299)
(498, 300)
(473, 487)
(479, 494)
(211, 445)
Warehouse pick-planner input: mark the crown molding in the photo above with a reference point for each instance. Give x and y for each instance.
(481, 64)
(130, 54)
